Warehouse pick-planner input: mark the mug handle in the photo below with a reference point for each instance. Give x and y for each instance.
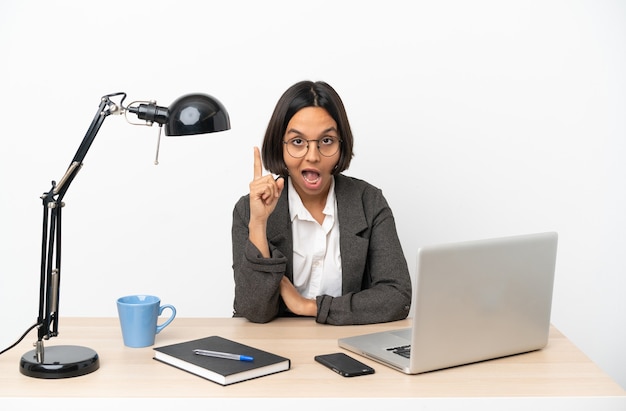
(169, 320)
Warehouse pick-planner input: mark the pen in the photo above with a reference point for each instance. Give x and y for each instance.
(226, 355)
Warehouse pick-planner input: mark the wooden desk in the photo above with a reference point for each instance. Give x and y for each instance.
(558, 371)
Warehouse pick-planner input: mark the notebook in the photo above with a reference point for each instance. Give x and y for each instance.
(474, 301)
(224, 371)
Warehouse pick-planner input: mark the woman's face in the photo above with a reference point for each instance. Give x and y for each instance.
(311, 174)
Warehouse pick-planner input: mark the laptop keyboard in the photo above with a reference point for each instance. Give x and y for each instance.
(404, 350)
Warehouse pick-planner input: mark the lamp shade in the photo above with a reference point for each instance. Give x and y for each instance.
(196, 114)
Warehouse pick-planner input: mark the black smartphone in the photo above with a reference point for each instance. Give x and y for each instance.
(344, 365)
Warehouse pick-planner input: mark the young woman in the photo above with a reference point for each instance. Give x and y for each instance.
(314, 242)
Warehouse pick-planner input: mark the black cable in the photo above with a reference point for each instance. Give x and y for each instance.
(20, 340)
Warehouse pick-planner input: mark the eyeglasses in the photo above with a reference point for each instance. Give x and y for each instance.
(298, 147)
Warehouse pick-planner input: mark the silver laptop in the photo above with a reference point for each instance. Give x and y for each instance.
(474, 301)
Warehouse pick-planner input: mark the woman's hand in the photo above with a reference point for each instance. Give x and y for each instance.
(264, 191)
(296, 303)
(264, 195)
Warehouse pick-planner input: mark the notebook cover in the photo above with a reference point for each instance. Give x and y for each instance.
(220, 370)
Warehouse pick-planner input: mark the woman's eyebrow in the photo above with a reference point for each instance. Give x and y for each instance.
(294, 131)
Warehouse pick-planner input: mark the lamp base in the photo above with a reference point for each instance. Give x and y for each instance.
(62, 361)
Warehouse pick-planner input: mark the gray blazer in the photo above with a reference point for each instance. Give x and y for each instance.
(376, 281)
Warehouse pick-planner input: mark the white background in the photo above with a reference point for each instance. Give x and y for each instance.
(476, 118)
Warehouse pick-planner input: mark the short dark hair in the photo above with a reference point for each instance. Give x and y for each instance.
(301, 95)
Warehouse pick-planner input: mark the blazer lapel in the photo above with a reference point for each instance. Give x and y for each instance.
(352, 223)
(279, 230)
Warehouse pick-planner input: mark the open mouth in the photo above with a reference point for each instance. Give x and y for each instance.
(311, 176)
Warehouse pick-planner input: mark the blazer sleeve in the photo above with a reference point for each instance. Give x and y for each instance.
(257, 279)
(377, 283)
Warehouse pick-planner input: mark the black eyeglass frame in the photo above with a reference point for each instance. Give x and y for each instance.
(307, 146)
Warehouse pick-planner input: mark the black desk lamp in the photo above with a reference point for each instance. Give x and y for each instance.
(190, 114)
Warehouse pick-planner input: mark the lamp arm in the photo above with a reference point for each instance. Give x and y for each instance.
(50, 275)
(106, 107)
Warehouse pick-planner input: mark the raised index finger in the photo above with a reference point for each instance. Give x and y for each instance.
(258, 167)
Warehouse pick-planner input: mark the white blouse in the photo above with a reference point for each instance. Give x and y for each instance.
(316, 256)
